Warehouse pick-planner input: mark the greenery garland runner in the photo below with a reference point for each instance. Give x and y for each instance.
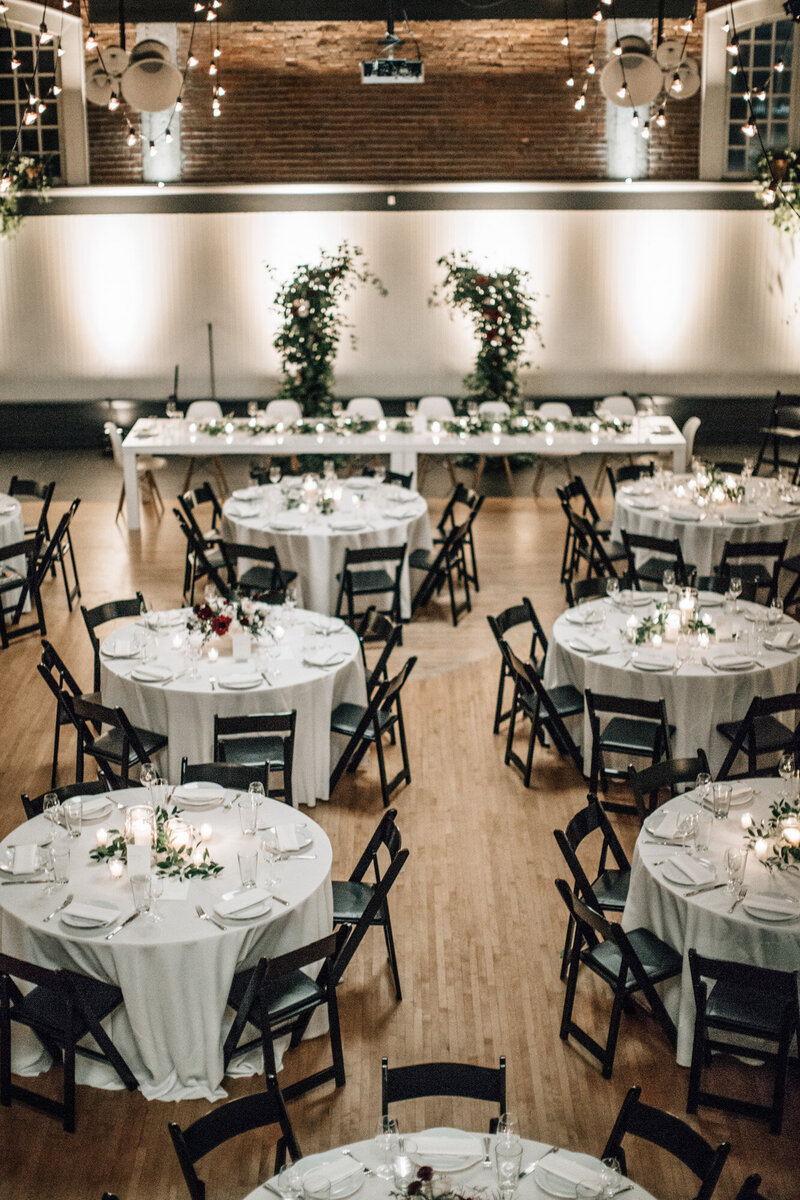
(502, 308)
(313, 323)
(778, 188)
(656, 625)
(515, 425)
(19, 176)
(179, 848)
(775, 841)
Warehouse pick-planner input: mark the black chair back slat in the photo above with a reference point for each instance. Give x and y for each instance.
(237, 776)
(420, 1080)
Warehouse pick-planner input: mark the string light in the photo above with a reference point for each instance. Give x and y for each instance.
(41, 106)
(198, 8)
(192, 61)
(733, 46)
(179, 105)
(65, 4)
(30, 116)
(661, 117)
(5, 182)
(617, 51)
(15, 63)
(91, 41)
(60, 51)
(56, 90)
(212, 70)
(571, 81)
(622, 90)
(565, 40)
(676, 87)
(746, 97)
(726, 28)
(635, 119)
(220, 91)
(218, 52)
(152, 149)
(45, 35)
(591, 68)
(779, 66)
(688, 25)
(4, 9)
(131, 139)
(597, 15)
(211, 15)
(113, 103)
(646, 131)
(733, 69)
(580, 103)
(168, 138)
(749, 129)
(762, 95)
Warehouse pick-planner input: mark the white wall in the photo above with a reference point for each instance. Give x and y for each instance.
(675, 301)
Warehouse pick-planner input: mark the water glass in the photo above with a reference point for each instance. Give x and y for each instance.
(703, 836)
(290, 1181)
(508, 1125)
(380, 473)
(687, 831)
(722, 801)
(147, 776)
(248, 814)
(73, 815)
(248, 866)
(610, 1176)
(403, 1168)
(275, 475)
(385, 1142)
(775, 611)
(140, 888)
(786, 771)
(735, 863)
(735, 589)
(612, 588)
(508, 1160)
(51, 809)
(589, 1191)
(59, 853)
(156, 892)
(703, 787)
(158, 792)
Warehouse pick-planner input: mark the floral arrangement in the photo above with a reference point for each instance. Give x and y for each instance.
(522, 425)
(19, 176)
(712, 483)
(502, 307)
(179, 848)
(776, 840)
(217, 615)
(777, 185)
(431, 1186)
(312, 324)
(656, 625)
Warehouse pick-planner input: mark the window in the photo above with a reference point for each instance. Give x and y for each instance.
(36, 75)
(762, 47)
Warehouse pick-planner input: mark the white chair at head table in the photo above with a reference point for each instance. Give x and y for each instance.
(435, 408)
(365, 406)
(146, 464)
(201, 411)
(551, 410)
(287, 411)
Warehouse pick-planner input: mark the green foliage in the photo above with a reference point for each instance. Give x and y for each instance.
(778, 188)
(313, 323)
(169, 860)
(781, 855)
(502, 308)
(20, 176)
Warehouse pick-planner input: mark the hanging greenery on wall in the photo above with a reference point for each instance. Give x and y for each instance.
(502, 307)
(20, 176)
(778, 188)
(313, 323)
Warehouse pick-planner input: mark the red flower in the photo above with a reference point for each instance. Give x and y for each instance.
(220, 625)
(481, 280)
(425, 1174)
(203, 612)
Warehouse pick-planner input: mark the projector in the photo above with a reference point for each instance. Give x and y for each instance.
(393, 70)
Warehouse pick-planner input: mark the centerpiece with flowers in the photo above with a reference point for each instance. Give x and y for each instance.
(218, 616)
(180, 848)
(667, 622)
(433, 1186)
(775, 841)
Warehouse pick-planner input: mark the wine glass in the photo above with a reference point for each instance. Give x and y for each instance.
(411, 408)
(156, 892)
(252, 408)
(735, 589)
(612, 589)
(610, 1176)
(385, 1141)
(275, 475)
(786, 771)
(508, 1126)
(683, 650)
(290, 1181)
(51, 808)
(172, 410)
(775, 611)
(380, 474)
(290, 603)
(703, 787)
(147, 777)
(337, 409)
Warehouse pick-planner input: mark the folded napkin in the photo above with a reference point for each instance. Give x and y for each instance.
(666, 826)
(695, 872)
(587, 644)
(734, 662)
(153, 674)
(323, 658)
(642, 502)
(446, 1147)
(584, 615)
(742, 516)
(766, 902)
(569, 1170)
(242, 508)
(120, 648)
(648, 659)
(684, 514)
(247, 898)
(335, 1171)
(287, 837)
(196, 791)
(92, 805)
(240, 679)
(25, 860)
(781, 641)
(248, 493)
(86, 911)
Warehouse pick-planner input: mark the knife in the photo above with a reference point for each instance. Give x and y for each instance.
(122, 925)
(707, 887)
(20, 882)
(532, 1166)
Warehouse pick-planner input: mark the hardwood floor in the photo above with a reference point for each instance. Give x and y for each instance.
(479, 926)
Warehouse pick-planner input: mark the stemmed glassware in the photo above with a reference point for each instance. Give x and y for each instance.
(610, 1176)
(735, 589)
(275, 475)
(786, 771)
(703, 787)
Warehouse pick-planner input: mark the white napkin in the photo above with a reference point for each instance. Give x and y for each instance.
(732, 662)
(92, 805)
(196, 791)
(322, 659)
(666, 826)
(642, 502)
(740, 791)
(585, 615)
(447, 1147)
(247, 898)
(648, 659)
(240, 679)
(176, 889)
(684, 514)
(90, 912)
(781, 641)
(287, 837)
(25, 859)
(695, 872)
(588, 644)
(121, 647)
(151, 674)
(567, 1169)
(336, 1171)
(765, 902)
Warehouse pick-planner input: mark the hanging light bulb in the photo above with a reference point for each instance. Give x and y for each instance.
(746, 97)
(571, 81)
(216, 3)
(211, 15)
(4, 9)
(688, 25)
(768, 195)
(726, 28)
(217, 51)
(45, 35)
(779, 66)
(5, 182)
(733, 69)
(212, 70)
(762, 95)
(580, 103)
(192, 61)
(622, 90)
(591, 68)
(597, 15)
(617, 51)
(220, 91)
(565, 40)
(646, 131)
(661, 117)
(30, 116)
(153, 149)
(733, 47)
(41, 107)
(749, 129)
(179, 105)
(15, 63)
(635, 119)
(60, 51)
(91, 41)
(113, 102)
(676, 87)
(131, 138)
(56, 90)
(65, 4)
(168, 138)
(198, 8)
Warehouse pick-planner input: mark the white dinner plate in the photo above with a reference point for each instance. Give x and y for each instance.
(554, 1185)
(446, 1162)
(742, 517)
(635, 599)
(673, 873)
(763, 913)
(642, 502)
(248, 493)
(86, 923)
(8, 862)
(322, 658)
(346, 524)
(121, 649)
(734, 662)
(660, 817)
(304, 838)
(589, 645)
(259, 909)
(94, 808)
(683, 514)
(710, 600)
(342, 1188)
(288, 521)
(360, 482)
(198, 795)
(651, 662)
(577, 616)
(240, 683)
(151, 674)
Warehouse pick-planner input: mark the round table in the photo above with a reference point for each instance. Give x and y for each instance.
(183, 708)
(472, 1179)
(659, 511)
(12, 529)
(313, 545)
(698, 698)
(703, 922)
(175, 975)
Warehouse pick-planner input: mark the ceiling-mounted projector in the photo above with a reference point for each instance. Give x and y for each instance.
(393, 70)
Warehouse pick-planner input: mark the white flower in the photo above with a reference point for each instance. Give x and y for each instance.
(248, 607)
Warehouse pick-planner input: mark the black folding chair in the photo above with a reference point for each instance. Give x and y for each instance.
(371, 914)
(668, 556)
(206, 558)
(630, 963)
(782, 437)
(123, 746)
(547, 709)
(637, 729)
(365, 725)
(59, 678)
(236, 776)
(444, 1079)
(266, 580)
(629, 473)
(671, 1134)
(34, 806)
(363, 574)
(112, 610)
(190, 502)
(760, 733)
(649, 784)
(352, 897)
(265, 739)
(512, 618)
(62, 1009)
(228, 1121)
(744, 560)
(448, 565)
(376, 627)
(395, 478)
(462, 497)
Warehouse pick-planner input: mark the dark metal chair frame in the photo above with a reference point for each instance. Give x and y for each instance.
(267, 582)
(204, 568)
(759, 732)
(377, 627)
(349, 587)
(136, 745)
(34, 806)
(664, 775)
(782, 432)
(511, 618)
(245, 738)
(546, 710)
(419, 1080)
(667, 553)
(59, 678)
(189, 501)
(472, 501)
(370, 722)
(734, 562)
(630, 472)
(448, 565)
(628, 712)
(111, 610)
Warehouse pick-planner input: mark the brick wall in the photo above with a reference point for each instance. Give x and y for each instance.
(493, 107)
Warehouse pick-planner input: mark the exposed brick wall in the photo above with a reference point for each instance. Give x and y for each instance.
(493, 107)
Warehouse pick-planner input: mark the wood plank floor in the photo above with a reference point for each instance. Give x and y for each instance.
(479, 925)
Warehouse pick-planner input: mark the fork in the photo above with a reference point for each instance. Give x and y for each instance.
(711, 666)
(487, 1161)
(228, 803)
(63, 904)
(741, 895)
(204, 916)
(367, 1170)
(212, 679)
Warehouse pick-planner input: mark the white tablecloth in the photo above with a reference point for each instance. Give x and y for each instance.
(391, 516)
(471, 1180)
(184, 708)
(702, 541)
(12, 529)
(703, 922)
(697, 698)
(175, 976)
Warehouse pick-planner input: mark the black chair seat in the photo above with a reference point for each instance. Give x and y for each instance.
(627, 735)
(38, 1007)
(611, 889)
(264, 579)
(370, 581)
(297, 993)
(659, 960)
(258, 749)
(350, 899)
(110, 744)
(421, 559)
(346, 717)
(652, 569)
(770, 733)
(733, 1007)
(567, 699)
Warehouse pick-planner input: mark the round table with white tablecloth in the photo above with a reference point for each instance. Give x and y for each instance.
(368, 515)
(174, 975)
(12, 529)
(703, 922)
(587, 649)
(657, 510)
(167, 699)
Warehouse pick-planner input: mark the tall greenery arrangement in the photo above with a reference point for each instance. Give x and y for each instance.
(778, 188)
(18, 176)
(313, 323)
(502, 307)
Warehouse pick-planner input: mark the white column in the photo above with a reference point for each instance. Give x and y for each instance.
(627, 156)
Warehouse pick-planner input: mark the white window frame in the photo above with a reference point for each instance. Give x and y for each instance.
(72, 131)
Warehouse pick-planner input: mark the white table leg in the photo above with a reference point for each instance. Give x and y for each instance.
(131, 487)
